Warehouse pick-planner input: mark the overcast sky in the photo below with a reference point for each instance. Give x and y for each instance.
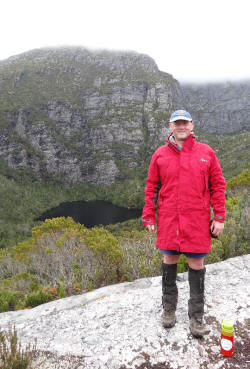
(194, 40)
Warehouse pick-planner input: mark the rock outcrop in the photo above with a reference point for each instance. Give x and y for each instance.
(97, 116)
(222, 108)
(119, 326)
(83, 115)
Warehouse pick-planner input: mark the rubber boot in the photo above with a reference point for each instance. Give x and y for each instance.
(169, 294)
(196, 280)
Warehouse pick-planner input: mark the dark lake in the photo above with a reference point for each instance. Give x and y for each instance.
(92, 213)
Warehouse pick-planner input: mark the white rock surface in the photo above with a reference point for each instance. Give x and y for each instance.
(119, 326)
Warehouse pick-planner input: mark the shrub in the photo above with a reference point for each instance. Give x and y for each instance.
(64, 253)
(141, 257)
(107, 254)
(38, 298)
(12, 356)
(235, 239)
(10, 266)
(182, 265)
(119, 229)
(23, 282)
(9, 300)
(242, 179)
(217, 252)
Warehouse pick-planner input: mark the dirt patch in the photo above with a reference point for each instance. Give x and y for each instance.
(241, 358)
(148, 365)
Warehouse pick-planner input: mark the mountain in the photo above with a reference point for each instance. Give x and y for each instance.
(97, 116)
(222, 108)
(83, 115)
(77, 124)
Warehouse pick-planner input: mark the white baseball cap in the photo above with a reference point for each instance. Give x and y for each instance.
(180, 115)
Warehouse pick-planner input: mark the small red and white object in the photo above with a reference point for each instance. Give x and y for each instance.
(227, 338)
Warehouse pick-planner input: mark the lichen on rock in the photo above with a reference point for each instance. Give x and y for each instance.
(119, 326)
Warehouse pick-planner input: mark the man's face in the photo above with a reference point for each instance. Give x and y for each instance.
(181, 129)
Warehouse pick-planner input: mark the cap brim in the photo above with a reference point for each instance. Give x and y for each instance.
(180, 118)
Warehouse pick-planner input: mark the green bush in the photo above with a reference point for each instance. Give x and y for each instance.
(38, 298)
(12, 356)
(22, 282)
(141, 257)
(236, 236)
(243, 179)
(217, 252)
(9, 300)
(61, 292)
(64, 253)
(182, 265)
(107, 253)
(119, 229)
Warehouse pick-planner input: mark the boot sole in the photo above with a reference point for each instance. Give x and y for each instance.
(170, 325)
(199, 335)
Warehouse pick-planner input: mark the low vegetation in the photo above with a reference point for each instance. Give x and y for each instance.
(63, 258)
(12, 355)
(243, 179)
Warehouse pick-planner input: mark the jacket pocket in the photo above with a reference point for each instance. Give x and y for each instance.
(206, 195)
(201, 183)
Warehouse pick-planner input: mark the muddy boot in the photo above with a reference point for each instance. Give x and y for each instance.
(169, 294)
(196, 280)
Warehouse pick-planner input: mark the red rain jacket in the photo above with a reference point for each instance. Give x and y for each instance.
(190, 181)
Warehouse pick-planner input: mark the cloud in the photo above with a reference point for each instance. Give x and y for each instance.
(192, 40)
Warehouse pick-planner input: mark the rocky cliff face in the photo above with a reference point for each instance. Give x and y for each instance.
(97, 116)
(119, 326)
(84, 115)
(219, 108)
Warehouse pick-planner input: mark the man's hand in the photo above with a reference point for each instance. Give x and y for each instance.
(216, 228)
(150, 227)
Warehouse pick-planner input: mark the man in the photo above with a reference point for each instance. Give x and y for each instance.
(189, 179)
